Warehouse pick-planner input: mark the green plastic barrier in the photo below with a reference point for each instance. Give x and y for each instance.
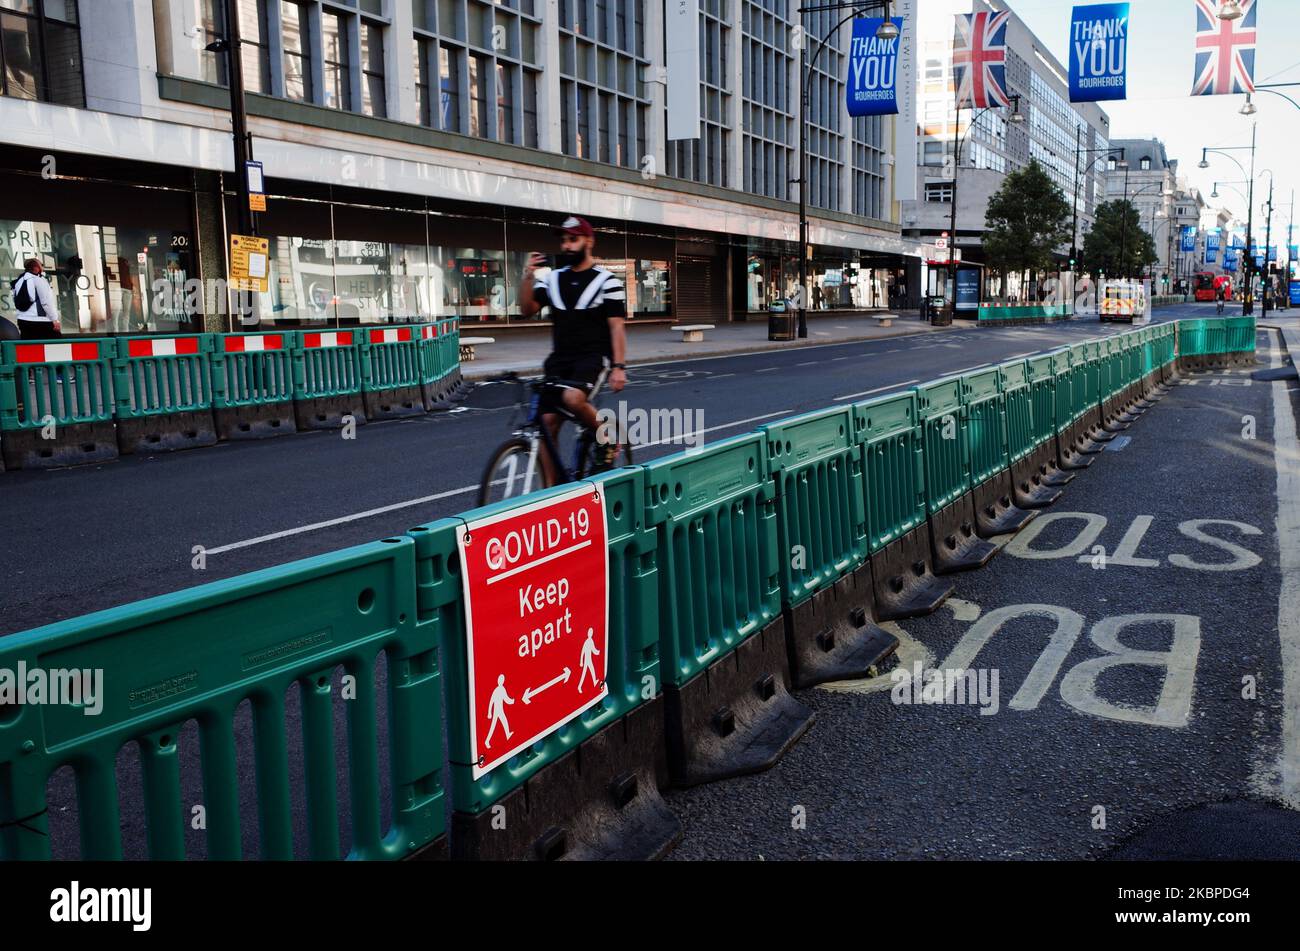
(634, 657)
(1017, 388)
(1216, 335)
(1239, 336)
(391, 357)
(160, 376)
(944, 442)
(69, 381)
(983, 405)
(252, 369)
(895, 481)
(816, 461)
(432, 367)
(326, 363)
(1192, 339)
(717, 550)
(197, 655)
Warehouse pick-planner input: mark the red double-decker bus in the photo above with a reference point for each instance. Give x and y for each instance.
(1204, 286)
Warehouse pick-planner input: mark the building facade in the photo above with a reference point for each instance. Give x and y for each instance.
(1145, 175)
(416, 151)
(1068, 140)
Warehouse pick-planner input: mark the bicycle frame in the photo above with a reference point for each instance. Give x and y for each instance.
(534, 429)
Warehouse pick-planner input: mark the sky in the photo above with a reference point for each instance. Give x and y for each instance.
(1159, 104)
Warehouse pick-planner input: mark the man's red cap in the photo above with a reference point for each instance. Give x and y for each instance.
(575, 225)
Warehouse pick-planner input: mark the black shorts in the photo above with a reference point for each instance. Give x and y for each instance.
(584, 370)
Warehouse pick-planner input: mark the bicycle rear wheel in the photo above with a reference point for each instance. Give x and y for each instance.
(512, 471)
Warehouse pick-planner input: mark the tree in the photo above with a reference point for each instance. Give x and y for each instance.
(1118, 244)
(1027, 219)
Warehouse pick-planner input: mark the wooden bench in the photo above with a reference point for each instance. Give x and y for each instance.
(692, 333)
(467, 345)
(884, 320)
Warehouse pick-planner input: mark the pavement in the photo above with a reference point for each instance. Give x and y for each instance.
(522, 350)
(1143, 630)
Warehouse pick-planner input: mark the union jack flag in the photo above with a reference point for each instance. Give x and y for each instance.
(979, 59)
(1225, 50)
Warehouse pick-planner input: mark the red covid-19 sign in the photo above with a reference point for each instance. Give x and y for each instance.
(536, 620)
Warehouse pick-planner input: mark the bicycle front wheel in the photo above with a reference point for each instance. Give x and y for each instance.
(513, 470)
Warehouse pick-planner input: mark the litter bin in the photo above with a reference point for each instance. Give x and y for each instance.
(939, 314)
(780, 321)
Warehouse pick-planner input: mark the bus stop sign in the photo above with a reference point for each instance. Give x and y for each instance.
(536, 582)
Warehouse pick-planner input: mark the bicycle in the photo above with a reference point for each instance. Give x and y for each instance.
(1220, 305)
(515, 469)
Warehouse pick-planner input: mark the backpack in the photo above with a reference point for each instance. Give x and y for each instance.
(23, 295)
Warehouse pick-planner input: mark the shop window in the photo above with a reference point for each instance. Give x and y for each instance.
(40, 51)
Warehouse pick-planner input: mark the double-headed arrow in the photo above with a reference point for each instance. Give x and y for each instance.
(562, 678)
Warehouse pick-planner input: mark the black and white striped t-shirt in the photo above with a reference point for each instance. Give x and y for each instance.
(581, 303)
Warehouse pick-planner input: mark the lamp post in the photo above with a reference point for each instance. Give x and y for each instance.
(232, 47)
(888, 30)
(1107, 152)
(1165, 193)
(1248, 298)
(1268, 239)
(957, 140)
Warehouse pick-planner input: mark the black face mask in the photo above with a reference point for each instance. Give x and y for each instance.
(569, 258)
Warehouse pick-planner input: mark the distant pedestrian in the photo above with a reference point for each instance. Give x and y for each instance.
(38, 314)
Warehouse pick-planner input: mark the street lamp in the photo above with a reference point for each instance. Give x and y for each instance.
(1249, 108)
(887, 30)
(1268, 238)
(1230, 10)
(1078, 152)
(1016, 117)
(1248, 298)
(231, 46)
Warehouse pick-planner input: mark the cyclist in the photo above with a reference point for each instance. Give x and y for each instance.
(588, 306)
(1220, 295)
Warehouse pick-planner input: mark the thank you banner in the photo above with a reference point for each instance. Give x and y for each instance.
(1099, 52)
(872, 86)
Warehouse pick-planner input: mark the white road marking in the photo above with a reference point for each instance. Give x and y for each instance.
(1286, 459)
(909, 652)
(342, 520)
(714, 429)
(963, 610)
(767, 369)
(891, 386)
(463, 490)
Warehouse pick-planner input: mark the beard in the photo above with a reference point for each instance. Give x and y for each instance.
(570, 258)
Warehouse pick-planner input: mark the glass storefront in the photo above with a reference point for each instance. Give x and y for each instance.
(118, 262)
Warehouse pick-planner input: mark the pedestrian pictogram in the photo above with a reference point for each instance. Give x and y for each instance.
(536, 620)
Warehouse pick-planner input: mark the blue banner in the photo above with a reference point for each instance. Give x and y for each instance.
(1230, 260)
(873, 70)
(1212, 240)
(1211, 254)
(1099, 52)
(1295, 293)
(1238, 240)
(1272, 252)
(1189, 238)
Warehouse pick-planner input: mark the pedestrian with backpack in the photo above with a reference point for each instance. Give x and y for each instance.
(38, 314)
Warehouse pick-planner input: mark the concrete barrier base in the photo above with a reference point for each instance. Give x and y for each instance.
(832, 635)
(169, 433)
